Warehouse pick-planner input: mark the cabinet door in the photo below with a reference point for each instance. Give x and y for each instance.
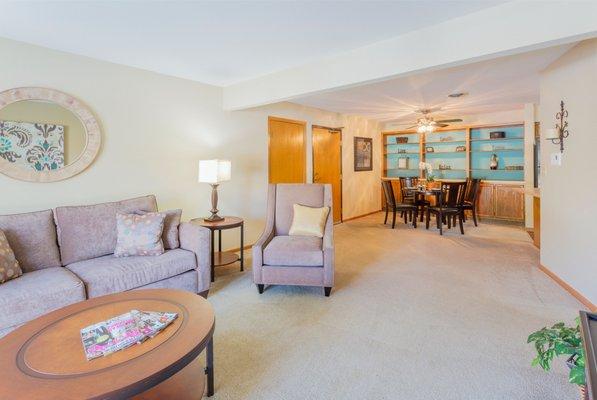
(486, 201)
(509, 202)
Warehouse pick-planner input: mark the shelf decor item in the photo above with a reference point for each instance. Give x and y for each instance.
(401, 139)
(497, 135)
(214, 172)
(460, 149)
(562, 340)
(560, 132)
(403, 163)
(429, 149)
(446, 139)
(493, 162)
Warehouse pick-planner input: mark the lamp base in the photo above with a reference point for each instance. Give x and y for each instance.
(213, 218)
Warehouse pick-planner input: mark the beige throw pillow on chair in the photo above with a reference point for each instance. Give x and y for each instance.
(9, 266)
(308, 221)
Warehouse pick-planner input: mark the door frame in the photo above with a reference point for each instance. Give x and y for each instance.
(269, 135)
(339, 130)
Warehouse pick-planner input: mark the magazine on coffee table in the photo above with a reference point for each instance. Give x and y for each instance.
(123, 331)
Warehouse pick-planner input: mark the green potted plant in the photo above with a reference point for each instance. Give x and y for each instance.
(562, 340)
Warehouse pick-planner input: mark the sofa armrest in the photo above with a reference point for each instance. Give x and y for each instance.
(328, 241)
(197, 239)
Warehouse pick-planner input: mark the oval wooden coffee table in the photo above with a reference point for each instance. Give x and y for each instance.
(44, 359)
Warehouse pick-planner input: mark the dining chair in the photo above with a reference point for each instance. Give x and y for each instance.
(470, 199)
(449, 204)
(391, 204)
(411, 197)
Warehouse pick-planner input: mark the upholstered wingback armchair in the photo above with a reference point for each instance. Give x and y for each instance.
(280, 259)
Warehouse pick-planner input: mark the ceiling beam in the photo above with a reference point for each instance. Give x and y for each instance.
(506, 29)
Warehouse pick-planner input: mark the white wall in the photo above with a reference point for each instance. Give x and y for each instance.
(155, 129)
(568, 209)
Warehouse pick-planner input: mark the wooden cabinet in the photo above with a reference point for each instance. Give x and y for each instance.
(501, 201)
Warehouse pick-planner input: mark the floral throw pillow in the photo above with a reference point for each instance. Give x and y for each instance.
(9, 266)
(139, 235)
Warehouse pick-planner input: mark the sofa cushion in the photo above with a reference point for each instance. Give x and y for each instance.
(9, 266)
(109, 274)
(37, 293)
(302, 251)
(288, 194)
(86, 232)
(139, 235)
(32, 237)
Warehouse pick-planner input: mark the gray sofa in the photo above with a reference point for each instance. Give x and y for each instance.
(66, 256)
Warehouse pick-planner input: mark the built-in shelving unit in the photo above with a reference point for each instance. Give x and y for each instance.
(446, 152)
(457, 153)
(402, 153)
(509, 151)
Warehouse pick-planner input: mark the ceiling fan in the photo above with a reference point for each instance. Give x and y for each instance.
(426, 123)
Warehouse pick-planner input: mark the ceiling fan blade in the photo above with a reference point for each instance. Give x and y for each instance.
(441, 121)
(442, 125)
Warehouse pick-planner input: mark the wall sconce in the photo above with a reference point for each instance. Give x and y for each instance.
(560, 132)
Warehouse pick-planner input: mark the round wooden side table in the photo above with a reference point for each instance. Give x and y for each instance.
(45, 359)
(220, 257)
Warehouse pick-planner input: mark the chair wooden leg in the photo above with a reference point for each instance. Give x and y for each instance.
(416, 216)
(441, 223)
(260, 288)
(327, 290)
(386, 218)
(427, 217)
(449, 218)
(475, 216)
(460, 220)
(393, 218)
(406, 213)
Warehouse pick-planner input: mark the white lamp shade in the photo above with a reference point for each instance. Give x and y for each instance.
(552, 133)
(214, 171)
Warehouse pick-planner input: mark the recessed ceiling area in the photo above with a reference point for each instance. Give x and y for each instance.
(495, 85)
(220, 43)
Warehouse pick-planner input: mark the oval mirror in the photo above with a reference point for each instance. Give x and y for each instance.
(45, 135)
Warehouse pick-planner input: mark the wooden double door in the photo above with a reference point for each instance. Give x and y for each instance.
(287, 156)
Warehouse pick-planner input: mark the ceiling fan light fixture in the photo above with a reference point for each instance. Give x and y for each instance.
(457, 95)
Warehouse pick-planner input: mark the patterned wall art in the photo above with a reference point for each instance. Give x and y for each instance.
(363, 154)
(33, 146)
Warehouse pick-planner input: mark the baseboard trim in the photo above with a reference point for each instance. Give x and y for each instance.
(360, 216)
(568, 288)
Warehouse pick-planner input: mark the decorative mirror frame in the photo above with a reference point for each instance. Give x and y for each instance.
(92, 129)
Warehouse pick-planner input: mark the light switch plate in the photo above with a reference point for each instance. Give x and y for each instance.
(556, 159)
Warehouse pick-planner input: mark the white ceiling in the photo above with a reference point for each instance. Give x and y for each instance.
(500, 84)
(219, 42)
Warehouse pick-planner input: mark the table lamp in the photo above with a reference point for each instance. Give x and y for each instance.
(214, 172)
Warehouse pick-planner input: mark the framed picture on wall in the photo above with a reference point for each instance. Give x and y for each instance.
(363, 154)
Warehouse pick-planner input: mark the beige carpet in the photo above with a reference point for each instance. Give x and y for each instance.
(413, 316)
